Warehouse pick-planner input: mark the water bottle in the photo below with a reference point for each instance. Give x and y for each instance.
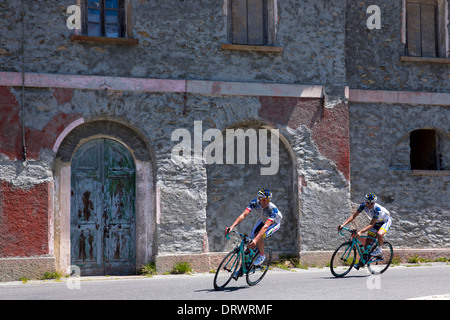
(248, 256)
(366, 253)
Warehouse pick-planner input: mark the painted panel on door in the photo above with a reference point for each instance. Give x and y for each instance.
(102, 208)
(119, 207)
(86, 207)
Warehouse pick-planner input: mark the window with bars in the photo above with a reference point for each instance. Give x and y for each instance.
(104, 18)
(425, 28)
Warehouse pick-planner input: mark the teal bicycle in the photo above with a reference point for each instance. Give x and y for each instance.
(344, 258)
(240, 261)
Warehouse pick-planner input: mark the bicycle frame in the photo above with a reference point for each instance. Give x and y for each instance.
(357, 244)
(240, 261)
(345, 255)
(241, 249)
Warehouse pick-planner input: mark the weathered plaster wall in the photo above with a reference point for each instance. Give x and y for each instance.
(25, 220)
(325, 43)
(187, 213)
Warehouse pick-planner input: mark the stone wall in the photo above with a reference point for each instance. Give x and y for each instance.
(333, 148)
(181, 40)
(193, 202)
(373, 56)
(380, 154)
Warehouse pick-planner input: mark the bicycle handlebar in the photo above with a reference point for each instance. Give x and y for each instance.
(242, 235)
(352, 231)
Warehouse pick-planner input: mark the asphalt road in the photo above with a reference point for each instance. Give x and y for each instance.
(399, 282)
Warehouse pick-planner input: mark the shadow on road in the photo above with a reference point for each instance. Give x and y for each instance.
(227, 289)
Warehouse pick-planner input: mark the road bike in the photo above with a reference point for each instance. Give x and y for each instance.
(239, 262)
(344, 258)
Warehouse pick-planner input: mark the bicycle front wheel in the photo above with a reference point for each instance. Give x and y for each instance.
(379, 263)
(227, 267)
(256, 273)
(343, 259)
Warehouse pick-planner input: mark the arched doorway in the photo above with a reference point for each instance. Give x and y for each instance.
(102, 206)
(232, 186)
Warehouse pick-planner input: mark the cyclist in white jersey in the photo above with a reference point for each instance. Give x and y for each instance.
(380, 221)
(268, 223)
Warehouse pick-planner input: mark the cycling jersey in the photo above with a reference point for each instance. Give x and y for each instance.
(381, 214)
(271, 212)
(378, 212)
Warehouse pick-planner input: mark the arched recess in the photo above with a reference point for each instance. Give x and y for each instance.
(419, 149)
(145, 186)
(232, 186)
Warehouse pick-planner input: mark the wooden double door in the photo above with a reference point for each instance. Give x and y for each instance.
(103, 215)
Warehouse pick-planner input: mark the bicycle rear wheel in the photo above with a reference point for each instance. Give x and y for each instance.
(343, 259)
(256, 273)
(225, 271)
(379, 264)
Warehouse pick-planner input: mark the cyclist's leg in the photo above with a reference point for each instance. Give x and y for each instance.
(371, 233)
(274, 227)
(382, 231)
(256, 228)
(380, 236)
(269, 232)
(367, 241)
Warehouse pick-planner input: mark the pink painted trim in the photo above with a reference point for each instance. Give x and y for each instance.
(66, 131)
(158, 205)
(380, 96)
(11, 79)
(254, 89)
(45, 80)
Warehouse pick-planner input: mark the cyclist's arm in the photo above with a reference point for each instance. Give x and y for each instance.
(350, 219)
(238, 220)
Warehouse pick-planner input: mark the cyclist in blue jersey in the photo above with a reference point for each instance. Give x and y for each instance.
(267, 225)
(379, 225)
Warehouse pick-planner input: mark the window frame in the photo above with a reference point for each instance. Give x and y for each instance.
(121, 19)
(441, 31)
(125, 20)
(240, 17)
(269, 17)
